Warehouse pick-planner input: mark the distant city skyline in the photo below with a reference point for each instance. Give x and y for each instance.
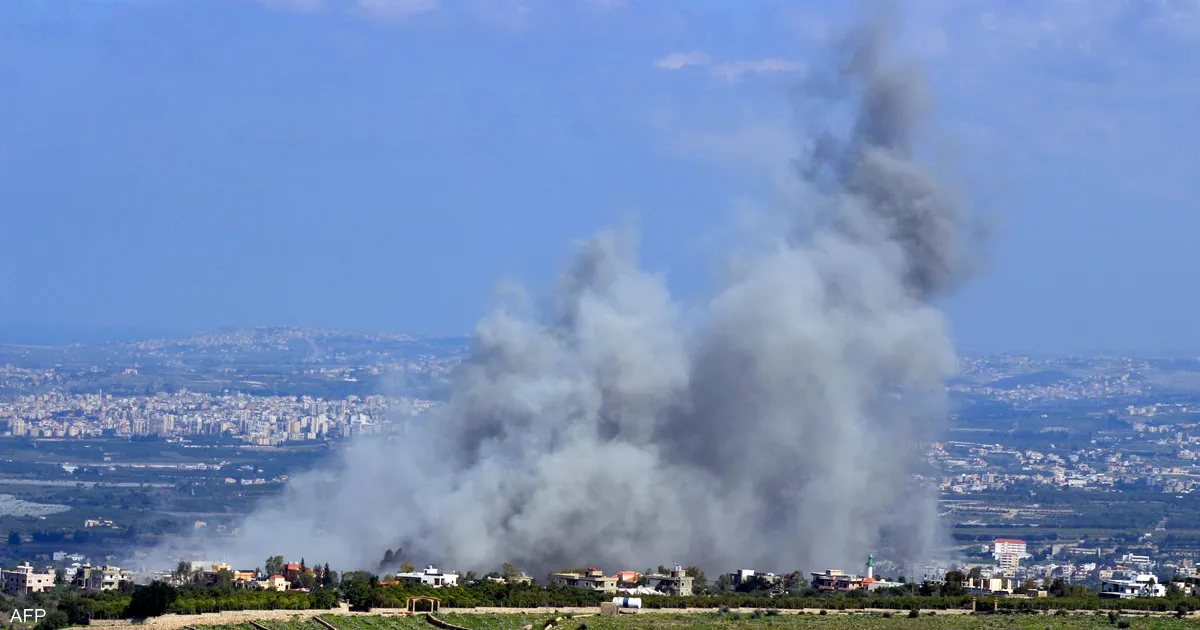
(191, 165)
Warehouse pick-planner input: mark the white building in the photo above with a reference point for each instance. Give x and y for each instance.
(1004, 546)
(1009, 552)
(1138, 561)
(24, 579)
(1129, 586)
(431, 576)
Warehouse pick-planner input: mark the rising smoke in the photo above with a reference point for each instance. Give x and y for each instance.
(781, 431)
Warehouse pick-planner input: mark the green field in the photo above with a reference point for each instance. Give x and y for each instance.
(648, 620)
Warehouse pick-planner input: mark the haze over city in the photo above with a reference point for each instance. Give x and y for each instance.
(183, 166)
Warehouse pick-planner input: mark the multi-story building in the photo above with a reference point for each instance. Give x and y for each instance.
(105, 578)
(24, 579)
(1009, 546)
(593, 579)
(1009, 552)
(675, 582)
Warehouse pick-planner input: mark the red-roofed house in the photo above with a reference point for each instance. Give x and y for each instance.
(274, 583)
(1009, 551)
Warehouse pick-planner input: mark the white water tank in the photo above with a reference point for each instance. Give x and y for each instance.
(628, 602)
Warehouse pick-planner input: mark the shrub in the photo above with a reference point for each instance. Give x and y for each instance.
(1124, 623)
(914, 613)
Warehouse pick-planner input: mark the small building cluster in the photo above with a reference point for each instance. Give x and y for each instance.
(837, 581)
(673, 582)
(207, 573)
(26, 579)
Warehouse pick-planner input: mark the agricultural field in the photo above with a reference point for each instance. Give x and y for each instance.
(734, 621)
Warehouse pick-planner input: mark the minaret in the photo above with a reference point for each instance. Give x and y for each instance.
(871, 566)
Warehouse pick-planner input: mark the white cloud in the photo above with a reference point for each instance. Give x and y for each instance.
(733, 71)
(680, 60)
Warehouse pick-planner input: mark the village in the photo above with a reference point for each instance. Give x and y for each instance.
(1008, 575)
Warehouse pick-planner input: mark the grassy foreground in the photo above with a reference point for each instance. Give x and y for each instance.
(674, 621)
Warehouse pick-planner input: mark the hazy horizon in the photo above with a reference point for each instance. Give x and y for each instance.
(16, 334)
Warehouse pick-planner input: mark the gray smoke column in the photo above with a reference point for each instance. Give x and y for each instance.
(781, 430)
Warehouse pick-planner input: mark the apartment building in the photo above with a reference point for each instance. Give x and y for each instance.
(24, 579)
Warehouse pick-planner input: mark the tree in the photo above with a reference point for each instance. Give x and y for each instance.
(328, 578)
(509, 572)
(308, 580)
(469, 578)
(723, 584)
(699, 582)
(323, 598)
(975, 573)
(182, 572)
(361, 593)
(151, 601)
(754, 584)
(407, 567)
(303, 567)
(54, 621)
(954, 586)
(274, 565)
(60, 577)
(14, 538)
(224, 579)
(794, 582)
(1058, 588)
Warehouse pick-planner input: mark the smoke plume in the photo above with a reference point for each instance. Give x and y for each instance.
(780, 431)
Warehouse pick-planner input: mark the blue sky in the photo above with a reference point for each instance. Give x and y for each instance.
(383, 164)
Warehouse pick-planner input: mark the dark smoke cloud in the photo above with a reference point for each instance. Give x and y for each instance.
(780, 432)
